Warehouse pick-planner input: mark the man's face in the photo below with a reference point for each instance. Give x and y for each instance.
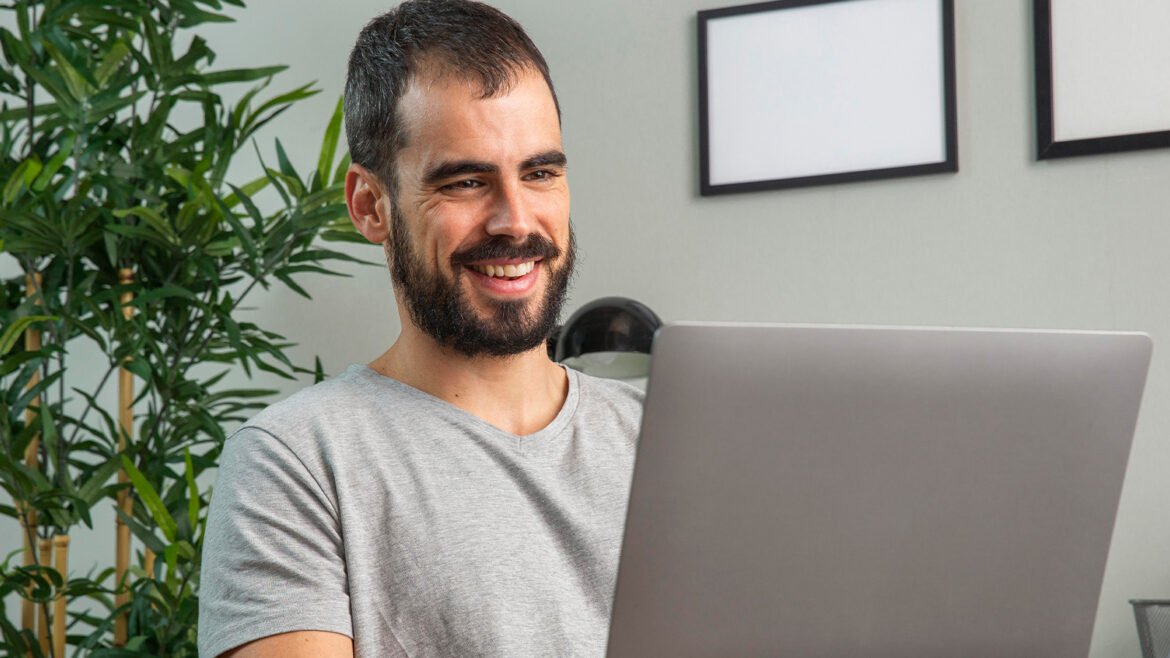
(481, 249)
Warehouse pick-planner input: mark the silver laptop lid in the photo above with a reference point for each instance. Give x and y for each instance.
(865, 491)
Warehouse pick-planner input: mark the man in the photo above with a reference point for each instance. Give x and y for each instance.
(461, 495)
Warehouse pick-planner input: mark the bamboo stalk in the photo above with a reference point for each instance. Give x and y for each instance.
(125, 503)
(28, 611)
(61, 560)
(32, 342)
(46, 549)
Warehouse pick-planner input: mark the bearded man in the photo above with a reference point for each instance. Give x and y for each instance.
(460, 495)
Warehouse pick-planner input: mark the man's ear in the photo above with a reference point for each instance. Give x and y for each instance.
(369, 205)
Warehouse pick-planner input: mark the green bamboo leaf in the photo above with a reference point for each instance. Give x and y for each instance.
(254, 120)
(242, 233)
(162, 292)
(105, 108)
(15, 48)
(314, 269)
(55, 163)
(186, 549)
(292, 183)
(193, 17)
(84, 327)
(292, 284)
(13, 363)
(33, 478)
(240, 75)
(171, 557)
(332, 195)
(51, 440)
(250, 189)
(329, 144)
(93, 14)
(111, 61)
(342, 168)
(233, 331)
(32, 246)
(139, 232)
(14, 331)
(111, 430)
(154, 219)
(150, 498)
(28, 396)
(196, 52)
(139, 367)
(59, 13)
(334, 235)
(237, 115)
(28, 222)
(321, 255)
(110, 241)
(56, 87)
(160, 52)
(286, 167)
(18, 114)
(179, 175)
(78, 86)
(91, 491)
(193, 500)
(9, 80)
(24, 174)
(140, 531)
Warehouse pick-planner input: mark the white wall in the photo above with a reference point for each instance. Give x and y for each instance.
(1007, 241)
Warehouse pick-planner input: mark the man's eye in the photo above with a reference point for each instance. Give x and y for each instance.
(542, 174)
(469, 184)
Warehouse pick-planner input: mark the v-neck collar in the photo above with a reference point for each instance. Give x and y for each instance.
(555, 427)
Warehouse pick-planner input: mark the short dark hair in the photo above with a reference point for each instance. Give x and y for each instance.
(467, 39)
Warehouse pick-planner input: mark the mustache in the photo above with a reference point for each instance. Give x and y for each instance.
(501, 246)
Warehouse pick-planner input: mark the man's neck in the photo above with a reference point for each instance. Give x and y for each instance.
(519, 394)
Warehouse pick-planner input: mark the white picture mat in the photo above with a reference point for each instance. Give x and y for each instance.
(824, 89)
(1110, 68)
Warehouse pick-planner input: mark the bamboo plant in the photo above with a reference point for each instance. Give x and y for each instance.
(119, 212)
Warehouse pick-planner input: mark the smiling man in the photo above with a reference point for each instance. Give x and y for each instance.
(460, 495)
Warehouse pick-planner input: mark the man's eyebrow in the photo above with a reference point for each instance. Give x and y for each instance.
(447, 170)
(546, 159)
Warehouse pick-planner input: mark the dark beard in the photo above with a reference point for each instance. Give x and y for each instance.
(439, 309)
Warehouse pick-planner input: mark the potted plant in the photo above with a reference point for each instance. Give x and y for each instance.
(118, 209)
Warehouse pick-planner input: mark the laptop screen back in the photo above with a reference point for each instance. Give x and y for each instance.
(852, 491)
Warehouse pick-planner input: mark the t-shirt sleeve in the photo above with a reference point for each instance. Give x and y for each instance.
(272, 556)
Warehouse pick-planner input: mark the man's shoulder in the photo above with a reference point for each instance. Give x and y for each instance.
(609, 389)
(305, 416)
(600, 396)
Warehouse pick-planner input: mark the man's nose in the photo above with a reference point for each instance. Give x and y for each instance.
(512, 214)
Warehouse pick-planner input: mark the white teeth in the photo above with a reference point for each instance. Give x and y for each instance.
(505, 270)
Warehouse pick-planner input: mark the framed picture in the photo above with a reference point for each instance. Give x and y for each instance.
(1102, 82)
(810, 92)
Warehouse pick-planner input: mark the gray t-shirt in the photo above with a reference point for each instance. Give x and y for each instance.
(366, 507)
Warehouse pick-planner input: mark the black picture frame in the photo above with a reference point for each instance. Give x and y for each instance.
(1049, 144)
(939, 95)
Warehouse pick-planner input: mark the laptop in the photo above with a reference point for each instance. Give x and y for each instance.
(833, 491)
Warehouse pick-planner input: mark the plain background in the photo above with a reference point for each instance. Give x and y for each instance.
(1008, 241)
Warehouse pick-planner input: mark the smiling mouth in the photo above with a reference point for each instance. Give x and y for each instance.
(505, 271)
